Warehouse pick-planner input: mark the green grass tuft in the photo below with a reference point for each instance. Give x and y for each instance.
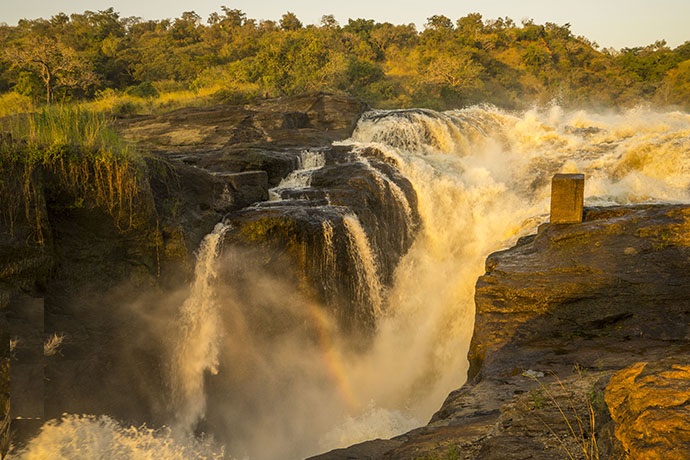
(78, 152)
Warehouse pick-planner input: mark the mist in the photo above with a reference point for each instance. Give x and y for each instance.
(265, 372)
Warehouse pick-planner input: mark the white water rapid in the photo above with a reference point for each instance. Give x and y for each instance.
(197, 346)
(300, 178)
(482, 178)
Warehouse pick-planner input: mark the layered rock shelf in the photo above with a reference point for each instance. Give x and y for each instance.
(581, 348)
(102, 282)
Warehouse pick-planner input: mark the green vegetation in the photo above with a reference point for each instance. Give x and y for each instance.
(63, 79)
(127, 65)
(74, 152)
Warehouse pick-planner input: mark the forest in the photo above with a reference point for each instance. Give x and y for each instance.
(124, 65)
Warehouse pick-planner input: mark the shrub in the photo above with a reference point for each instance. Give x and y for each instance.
(13, 103)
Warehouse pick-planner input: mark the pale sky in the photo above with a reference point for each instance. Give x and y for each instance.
(610, 23)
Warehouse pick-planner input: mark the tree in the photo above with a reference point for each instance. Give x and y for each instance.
(232, 18)
(675, 88)
(328, 22)
(470, 25)
(289, 21)
(439, 22)
(360, 27)
(455, 71)
(58, 66)
(186, 28)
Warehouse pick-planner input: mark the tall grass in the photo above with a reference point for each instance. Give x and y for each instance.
(581, 422)
(121, 103)
(66, 125)
(74, 149)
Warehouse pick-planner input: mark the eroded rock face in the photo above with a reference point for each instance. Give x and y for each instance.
(649, 403)
(351, 214)
(101, 279)
(103, 282)
(557, 316)
(622, 275)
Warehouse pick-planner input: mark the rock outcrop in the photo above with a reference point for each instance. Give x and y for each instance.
(620, 276)
(102, 281)
(648, 402)
(580, 348)
(317, 227)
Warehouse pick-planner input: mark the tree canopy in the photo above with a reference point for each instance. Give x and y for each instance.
(450, 63)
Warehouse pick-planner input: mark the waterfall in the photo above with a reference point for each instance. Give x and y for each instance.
(195, 352)
(369, 289)
(197, 342)
(482, 180)
(309, 161)
(385, 182)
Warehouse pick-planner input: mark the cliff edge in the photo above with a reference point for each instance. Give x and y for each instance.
(581, 348)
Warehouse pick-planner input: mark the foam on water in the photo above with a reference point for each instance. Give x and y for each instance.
(309, 161)
(482, 178)
(86, 437)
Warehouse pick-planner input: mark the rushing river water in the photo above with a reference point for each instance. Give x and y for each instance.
(482, 178)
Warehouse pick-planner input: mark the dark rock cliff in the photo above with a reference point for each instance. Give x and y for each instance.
(311, 225)
(100, 282)
(621, 276)
(580, 350)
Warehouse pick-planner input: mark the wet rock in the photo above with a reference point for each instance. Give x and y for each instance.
(243, 189)
(277, 164)
(606, 279)
(559, 315)
(313, 226)
(369, 450)
(102, 276)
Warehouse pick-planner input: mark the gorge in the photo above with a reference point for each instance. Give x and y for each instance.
(336, 303)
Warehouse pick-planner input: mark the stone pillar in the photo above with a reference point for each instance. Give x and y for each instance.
(567, 198)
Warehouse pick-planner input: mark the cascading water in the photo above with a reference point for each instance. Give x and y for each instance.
(482, 178)
(309, 161)
(196, 350)
(369, 289)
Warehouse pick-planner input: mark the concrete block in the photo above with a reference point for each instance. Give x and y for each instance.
(567, 198)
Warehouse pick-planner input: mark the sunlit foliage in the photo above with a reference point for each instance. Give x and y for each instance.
(230, 57)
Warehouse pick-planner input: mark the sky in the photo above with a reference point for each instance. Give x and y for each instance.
(609, 23)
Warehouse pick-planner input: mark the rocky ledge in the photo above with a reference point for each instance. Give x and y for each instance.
(97, 283)
(581, 348)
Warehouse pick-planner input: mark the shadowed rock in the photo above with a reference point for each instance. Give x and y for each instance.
(557, 315)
